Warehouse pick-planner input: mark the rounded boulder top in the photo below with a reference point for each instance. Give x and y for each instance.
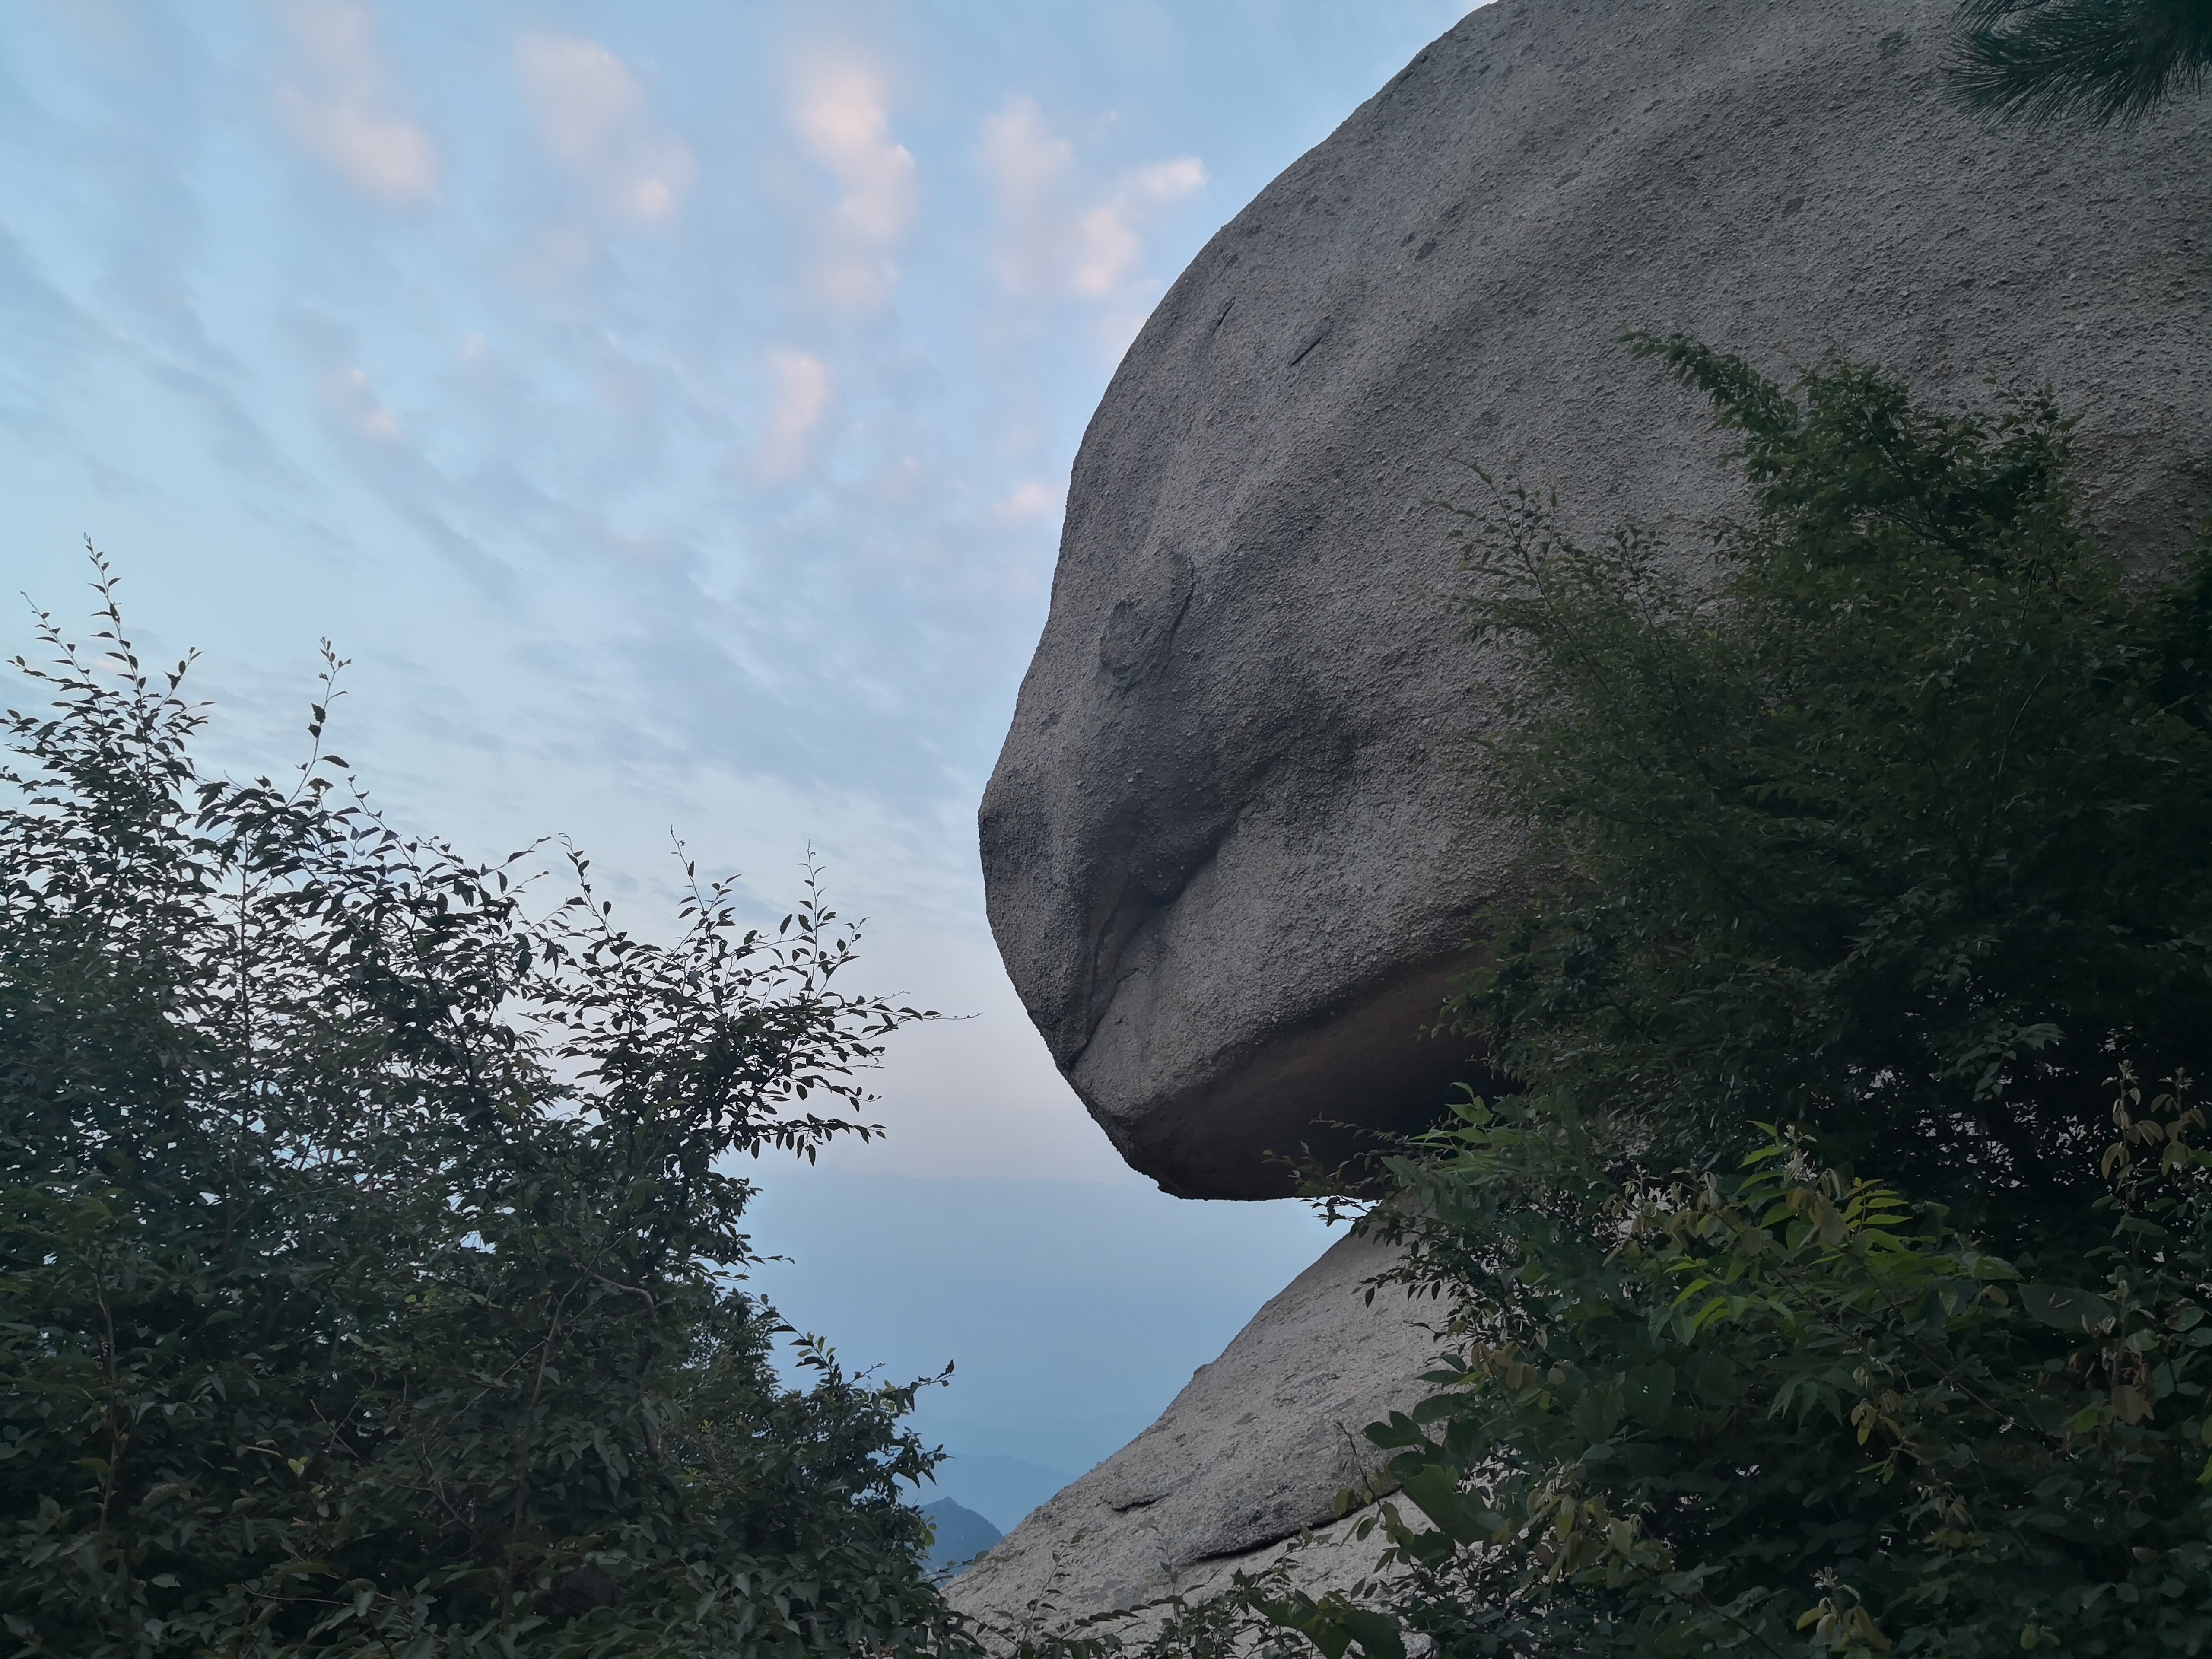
(1232, 850)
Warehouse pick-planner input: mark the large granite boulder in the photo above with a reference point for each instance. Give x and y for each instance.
(1230, 850)
(1246, 1463)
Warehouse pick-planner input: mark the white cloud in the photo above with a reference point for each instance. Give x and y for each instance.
(595, 120)
(804, 389)
(349, 397)
(337, 97)
(1030, 502)
(1028, 166)
(1107, 242)
(1051, 240)
(841, 118)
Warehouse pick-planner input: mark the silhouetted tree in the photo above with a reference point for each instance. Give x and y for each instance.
(370, 1251)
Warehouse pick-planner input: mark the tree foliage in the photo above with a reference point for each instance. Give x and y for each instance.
(2109, 60)
(1826, 1280)
(369, 1251)
(1891, 817)
(1778, 1409)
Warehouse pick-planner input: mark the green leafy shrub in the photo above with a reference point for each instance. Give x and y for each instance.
(1887, 820)
(1891, 818)
(367, 1247)
(1778, 1408)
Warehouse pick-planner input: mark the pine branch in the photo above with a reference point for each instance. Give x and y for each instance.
(2113, 61)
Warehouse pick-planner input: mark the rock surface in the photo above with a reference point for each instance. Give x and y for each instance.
(1252, 1454)
(1229, 850)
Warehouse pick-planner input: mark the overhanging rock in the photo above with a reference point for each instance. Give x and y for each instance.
(1230, 848)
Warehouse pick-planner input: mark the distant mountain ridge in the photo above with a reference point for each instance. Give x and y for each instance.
(1002, 1468)
(1003, 1490)
(962, 1535)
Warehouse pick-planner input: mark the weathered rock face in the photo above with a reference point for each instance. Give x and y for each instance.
(1229, 849)
(1251, 1454)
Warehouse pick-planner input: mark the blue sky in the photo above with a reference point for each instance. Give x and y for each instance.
(668, 409)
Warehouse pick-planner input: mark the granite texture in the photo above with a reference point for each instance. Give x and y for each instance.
(1231, 853)
(1248, 1459)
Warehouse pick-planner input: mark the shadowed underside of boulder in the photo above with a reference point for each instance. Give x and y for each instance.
(1251, 1456)
(1232, 850)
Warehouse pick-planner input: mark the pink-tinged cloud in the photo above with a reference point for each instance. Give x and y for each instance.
(337, 97)
(804, 389)
(595, 120)
(1057, 236)
(1028, 503)
(353, 403)
(841, 117)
